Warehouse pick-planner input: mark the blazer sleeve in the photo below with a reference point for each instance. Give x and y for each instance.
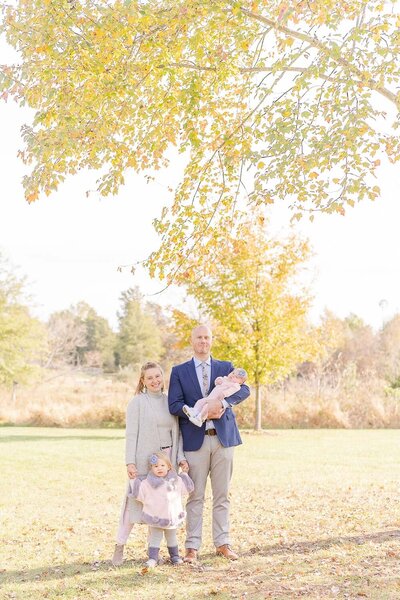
(239, 396)
(175, 394)
(230, 388)
(131, 431)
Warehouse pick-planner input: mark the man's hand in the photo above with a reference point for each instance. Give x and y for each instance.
(132, 471)
(215, 409)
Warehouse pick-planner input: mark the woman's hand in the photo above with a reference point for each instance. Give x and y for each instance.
(132, 471)
(184, 465)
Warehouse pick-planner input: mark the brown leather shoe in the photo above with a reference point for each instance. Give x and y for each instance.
(226, 551)
(190, 556)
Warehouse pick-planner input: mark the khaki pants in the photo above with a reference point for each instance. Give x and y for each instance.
(214, 460)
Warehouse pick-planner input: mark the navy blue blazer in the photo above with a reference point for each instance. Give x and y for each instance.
(184, 388)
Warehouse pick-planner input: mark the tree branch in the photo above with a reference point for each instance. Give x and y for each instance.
(316, 43)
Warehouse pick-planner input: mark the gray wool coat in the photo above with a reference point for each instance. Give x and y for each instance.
(142, 440)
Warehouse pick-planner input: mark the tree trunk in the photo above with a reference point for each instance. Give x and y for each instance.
(258, 411)
(14, 392)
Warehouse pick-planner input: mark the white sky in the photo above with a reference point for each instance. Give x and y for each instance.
(70, 246)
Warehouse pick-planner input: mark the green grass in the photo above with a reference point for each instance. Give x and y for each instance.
(315, 514)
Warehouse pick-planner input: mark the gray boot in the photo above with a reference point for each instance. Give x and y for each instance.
(174, 555)
(118, 556)
(153, 557)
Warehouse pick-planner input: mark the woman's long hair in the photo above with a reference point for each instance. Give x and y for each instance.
(148, 365)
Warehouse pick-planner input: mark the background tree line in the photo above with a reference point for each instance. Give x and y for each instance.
(258, 310)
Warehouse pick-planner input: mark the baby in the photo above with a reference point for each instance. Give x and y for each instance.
(224, 387)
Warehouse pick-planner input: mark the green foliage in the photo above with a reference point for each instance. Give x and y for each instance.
(139, 338)
(100, 339)
(22, 338)
(79, 336)
(295, 94)
(395, 385)
(173, 351)
(66, 338)
(345, 347)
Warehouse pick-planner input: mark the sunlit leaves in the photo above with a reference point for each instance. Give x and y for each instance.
(269, 101)
(22, 337)
(250, 289)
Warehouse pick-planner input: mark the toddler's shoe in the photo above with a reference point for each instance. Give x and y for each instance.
(174, 555)
(151, 563)
(153, 557)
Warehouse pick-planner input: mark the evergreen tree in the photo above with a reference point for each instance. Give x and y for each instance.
(139, 337)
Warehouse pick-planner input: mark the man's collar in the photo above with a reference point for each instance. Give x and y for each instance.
(198, 362)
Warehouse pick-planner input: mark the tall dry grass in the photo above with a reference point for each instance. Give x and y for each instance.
(311, 403)
(81, 399)
(68, 399)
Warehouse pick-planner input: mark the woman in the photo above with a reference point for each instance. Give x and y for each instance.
(149, 428)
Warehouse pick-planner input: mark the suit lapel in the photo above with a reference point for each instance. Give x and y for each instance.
(191, 369)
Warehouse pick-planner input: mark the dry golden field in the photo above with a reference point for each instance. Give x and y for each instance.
(80, 399)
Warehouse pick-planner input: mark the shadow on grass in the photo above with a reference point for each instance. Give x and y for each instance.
(102, 570)
(307, 547)
(134, 567)
(57, 438)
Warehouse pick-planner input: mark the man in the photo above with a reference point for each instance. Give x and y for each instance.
(208, 449)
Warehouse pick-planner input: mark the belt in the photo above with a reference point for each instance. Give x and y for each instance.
(210, 432)
(165, 447)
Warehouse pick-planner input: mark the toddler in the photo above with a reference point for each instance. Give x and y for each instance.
(224, 387)
(161, 494)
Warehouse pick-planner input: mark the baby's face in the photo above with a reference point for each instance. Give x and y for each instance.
(233, 377)
(160, 469)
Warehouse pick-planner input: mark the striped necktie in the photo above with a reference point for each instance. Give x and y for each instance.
(204, 373)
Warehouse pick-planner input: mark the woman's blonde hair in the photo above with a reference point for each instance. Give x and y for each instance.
(148, 365)
(159, 456)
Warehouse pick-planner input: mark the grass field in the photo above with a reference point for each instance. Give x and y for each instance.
(315, 514)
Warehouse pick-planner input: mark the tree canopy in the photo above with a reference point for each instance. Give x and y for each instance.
(268, 101)
(22, 338)
(78, 336)
(256, 304)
